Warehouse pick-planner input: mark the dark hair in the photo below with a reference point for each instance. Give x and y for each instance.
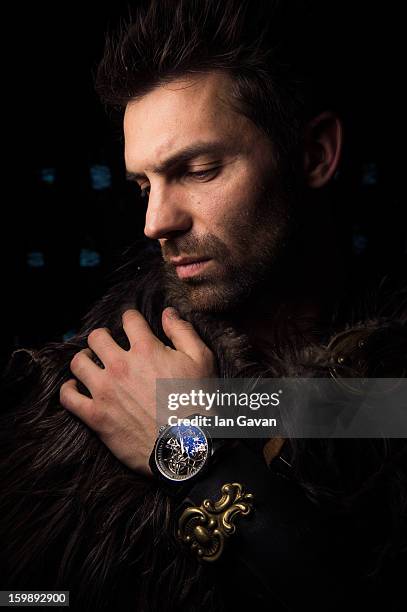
(268, 47)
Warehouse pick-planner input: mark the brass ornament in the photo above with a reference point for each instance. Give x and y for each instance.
(206, 528)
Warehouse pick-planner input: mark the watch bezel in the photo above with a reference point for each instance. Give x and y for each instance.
(155, 459)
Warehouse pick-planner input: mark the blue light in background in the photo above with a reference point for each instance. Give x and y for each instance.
(35, 259)
(369, 174)
(359, 243)
(48, 175)
(88, 258)
(100, 177)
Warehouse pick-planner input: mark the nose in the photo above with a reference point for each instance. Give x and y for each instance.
(165, 215)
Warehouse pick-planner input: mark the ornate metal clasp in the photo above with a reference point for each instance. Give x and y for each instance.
(205, 528)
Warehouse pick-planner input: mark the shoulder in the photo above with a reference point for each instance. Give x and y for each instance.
(373, 340)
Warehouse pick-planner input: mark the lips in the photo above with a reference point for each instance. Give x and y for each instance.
(189, 266)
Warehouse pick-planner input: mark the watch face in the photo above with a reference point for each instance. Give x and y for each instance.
(181, 452)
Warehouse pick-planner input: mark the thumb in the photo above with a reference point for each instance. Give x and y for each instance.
(183, 335)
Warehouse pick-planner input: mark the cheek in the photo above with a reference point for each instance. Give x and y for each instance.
(225, 204)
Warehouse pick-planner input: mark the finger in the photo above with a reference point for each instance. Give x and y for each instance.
(76, 402)
(138, 330)
(103, 345)
(84, 368)
(183, 335)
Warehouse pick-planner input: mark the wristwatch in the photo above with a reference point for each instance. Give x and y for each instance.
(182, 453)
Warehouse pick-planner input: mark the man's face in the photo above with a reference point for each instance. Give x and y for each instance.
(215, 197)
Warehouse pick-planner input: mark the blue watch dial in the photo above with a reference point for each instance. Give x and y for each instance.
(181, 452)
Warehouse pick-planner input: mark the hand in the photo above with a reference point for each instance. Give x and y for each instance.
(122, 407)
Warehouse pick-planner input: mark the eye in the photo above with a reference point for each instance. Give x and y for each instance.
(203, 174)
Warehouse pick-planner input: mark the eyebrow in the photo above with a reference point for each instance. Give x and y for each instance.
(184, 155)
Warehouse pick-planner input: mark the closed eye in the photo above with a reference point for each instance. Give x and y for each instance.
(203, 174)
(199, 175)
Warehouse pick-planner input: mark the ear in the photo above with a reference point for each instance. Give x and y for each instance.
(322, 148)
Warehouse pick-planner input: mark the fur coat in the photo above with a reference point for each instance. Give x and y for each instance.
(74, 518)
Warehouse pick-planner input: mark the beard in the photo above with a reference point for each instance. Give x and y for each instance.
(254, 255)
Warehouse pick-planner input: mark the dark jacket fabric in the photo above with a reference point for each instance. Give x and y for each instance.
(328, 533)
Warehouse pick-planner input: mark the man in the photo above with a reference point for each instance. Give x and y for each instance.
(234, 144)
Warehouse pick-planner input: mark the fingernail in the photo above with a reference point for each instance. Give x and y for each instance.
(172, 313)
